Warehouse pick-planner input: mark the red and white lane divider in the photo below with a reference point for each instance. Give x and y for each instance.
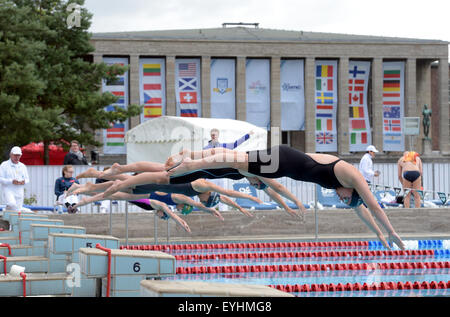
(299, 288)
(313, 267)
(379, 253)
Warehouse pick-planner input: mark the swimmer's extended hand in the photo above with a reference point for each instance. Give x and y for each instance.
(394, 238)
(293, 213)
(255, 199)
(245, 212)
(181, 222)
(216, 213)
(384, 242)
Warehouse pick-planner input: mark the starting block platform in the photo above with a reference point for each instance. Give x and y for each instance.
(157, 288)
(126, 269)
(35, 284)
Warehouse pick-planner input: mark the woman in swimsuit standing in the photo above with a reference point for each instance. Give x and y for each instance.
(410, 176)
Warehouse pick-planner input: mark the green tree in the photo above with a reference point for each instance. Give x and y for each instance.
(49, 88)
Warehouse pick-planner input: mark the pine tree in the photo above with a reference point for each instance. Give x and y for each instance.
(49, 89)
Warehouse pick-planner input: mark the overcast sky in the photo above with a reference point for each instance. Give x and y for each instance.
(428, 19)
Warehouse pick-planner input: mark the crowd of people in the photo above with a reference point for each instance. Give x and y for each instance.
(170, 187)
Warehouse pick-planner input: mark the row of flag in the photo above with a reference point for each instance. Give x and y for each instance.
(114, 136)
(393, 105)
(188, 93)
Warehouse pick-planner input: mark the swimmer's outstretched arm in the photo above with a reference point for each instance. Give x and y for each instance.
(158, 205)
(183, 199)
(279, 200)
(203, 185)
(283, 191)
(350, 177)
(116, 196)
(365, 215)
(233, 204)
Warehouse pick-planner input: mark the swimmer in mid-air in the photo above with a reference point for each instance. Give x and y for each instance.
(155, 175)
(208, 193)
(282, 161)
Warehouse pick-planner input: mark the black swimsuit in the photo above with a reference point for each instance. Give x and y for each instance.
(294, 164)
(185, 189)
(229, 173)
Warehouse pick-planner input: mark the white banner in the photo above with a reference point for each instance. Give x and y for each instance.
(325, 100)
(114, 137)
(393, 106)
(292, 95)
(152, 87)
(257, 83)
(223, 83)
(359, 126)
(187, 87)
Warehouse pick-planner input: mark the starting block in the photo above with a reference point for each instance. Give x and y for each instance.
(35, 284)
(158, 288)
(127, 268)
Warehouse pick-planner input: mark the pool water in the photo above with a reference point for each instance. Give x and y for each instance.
(316, 269)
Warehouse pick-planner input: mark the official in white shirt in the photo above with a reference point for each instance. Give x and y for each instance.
(366, 164)
(13, 178)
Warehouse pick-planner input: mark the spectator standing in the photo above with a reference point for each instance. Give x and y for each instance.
(14, 177)
(62, 184)
(410, 176)
(366, 164)
(215, 143)
(75, 156)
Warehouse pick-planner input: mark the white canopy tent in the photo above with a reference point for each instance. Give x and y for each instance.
(157, 139)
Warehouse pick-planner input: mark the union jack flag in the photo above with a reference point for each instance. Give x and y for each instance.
(324, 138)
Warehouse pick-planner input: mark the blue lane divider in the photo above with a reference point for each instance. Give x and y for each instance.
(442, 253)
(422, 244)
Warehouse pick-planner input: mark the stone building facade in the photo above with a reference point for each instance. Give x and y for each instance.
(242, 43)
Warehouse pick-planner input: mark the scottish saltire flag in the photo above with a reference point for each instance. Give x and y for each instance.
(326, 105)
(114, 137)
(187, 86)
(393, 106)
(359, 127)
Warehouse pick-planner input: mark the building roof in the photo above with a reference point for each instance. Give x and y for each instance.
(256, 34)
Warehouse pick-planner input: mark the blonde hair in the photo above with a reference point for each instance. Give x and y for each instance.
(65, 168)
(410, 156)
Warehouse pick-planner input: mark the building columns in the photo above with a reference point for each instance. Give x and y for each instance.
(206, 86)
(443, 82)
(275, 101)
(171, 101)
(342, 111)
(377, 103)
(241, 107)
(310, 121)
(133, 74)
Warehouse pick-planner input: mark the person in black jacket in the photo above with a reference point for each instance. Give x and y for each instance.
(75, 156)
(62, 184)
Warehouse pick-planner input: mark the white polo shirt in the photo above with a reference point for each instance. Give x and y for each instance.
(9, 172)
(366, 167)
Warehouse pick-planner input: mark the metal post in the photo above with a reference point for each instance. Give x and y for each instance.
(126, 223)
(168, 230)
(110, 218)
(315, 214)
(155, 231)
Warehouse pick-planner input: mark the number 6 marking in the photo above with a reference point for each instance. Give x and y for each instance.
(136, 267)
